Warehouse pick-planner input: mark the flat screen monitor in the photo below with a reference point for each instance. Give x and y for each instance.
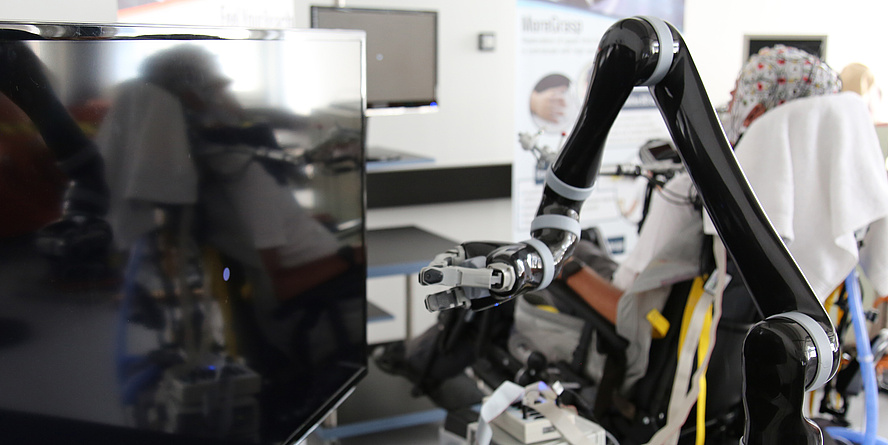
(814, 45)
(182, 240)
(402, 55)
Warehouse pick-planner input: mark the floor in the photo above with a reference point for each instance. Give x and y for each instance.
(856, 414)
(416, 435)
(381, 400)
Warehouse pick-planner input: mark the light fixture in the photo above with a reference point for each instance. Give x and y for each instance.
(486, 41)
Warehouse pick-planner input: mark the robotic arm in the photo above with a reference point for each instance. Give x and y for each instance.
(795, 349)
(82, 233)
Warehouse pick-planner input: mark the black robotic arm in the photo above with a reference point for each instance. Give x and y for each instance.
(795, 349)
(82, 234)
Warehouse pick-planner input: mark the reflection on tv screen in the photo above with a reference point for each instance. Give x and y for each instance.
(182, 241)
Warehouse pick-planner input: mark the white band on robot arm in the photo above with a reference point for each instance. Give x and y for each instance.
(664, 59)
(548, 261)
(560, 222)
(821, 343)
(566, 190)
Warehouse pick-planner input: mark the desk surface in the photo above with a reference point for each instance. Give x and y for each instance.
(379, 159)
(390, 251)
(402, 250)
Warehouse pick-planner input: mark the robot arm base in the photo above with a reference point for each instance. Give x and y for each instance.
(776, 371)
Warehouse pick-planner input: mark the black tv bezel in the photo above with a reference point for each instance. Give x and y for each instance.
(813, 44)
(392, 107)
(38, 428)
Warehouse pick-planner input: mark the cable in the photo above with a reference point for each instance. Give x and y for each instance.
(675, 198)
(855, 437)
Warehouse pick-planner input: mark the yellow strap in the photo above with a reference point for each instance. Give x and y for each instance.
(832, 297)
(701, 396)
(547, 308)
(659, 324)
(693, 299)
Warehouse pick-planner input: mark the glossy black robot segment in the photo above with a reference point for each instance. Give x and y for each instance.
(645, 51)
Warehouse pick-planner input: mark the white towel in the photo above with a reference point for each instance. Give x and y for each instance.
(145, 145)
(148, 156)
(818, 172)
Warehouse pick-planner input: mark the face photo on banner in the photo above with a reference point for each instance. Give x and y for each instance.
(553, 106)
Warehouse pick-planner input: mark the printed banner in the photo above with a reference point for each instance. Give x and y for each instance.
(252, 14)
(557, 43)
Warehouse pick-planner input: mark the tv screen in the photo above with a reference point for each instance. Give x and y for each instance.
(814, 45)
(402, 54)
(182, 241)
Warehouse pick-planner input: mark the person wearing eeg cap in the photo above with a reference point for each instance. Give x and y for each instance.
(811, 157)
(815, 165)
(772, 77)
(807, 202)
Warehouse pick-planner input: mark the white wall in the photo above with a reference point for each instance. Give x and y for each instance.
(714, 31)
(92, 11)
(474, 123)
